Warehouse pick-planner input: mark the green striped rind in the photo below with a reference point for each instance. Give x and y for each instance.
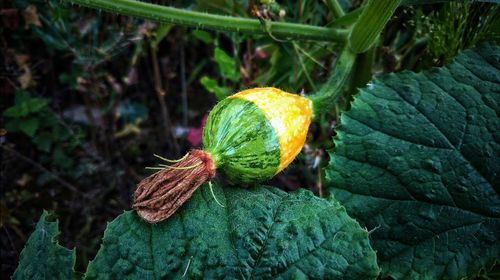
(242, 141)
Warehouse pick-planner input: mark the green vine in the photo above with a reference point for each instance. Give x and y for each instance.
(281, 30)
(366, 29)
(337, 10)
(326, 97)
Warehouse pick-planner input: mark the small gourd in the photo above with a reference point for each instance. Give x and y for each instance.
(249, 137)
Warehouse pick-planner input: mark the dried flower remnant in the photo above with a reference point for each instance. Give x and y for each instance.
(158, 196)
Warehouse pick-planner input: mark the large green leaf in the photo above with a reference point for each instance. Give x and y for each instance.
(417, 159)
(261, 233)
(43, 258)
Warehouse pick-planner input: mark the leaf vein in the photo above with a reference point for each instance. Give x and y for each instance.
(274, 216)
(445, 136)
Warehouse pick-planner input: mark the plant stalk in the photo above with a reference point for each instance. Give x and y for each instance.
(169, 15)
(362, 70)
(336, 9)
(325, 99)
(370, 24)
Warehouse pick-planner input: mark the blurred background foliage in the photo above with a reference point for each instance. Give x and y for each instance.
(88, 97)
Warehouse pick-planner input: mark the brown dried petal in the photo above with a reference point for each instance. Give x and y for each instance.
(158, 196)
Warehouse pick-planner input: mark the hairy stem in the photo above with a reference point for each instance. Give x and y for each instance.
(281, 30)
(325, 99)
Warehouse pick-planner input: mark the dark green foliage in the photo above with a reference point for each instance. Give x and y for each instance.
(228, 71)
(43, 258)
(262, 233)
(31, 116)
(23, 115)
(417, 162)
(471, 24)
(82, 154)
(227, 65)
(212, 86)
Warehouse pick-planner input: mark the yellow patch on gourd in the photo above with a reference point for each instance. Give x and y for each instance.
(289, 114)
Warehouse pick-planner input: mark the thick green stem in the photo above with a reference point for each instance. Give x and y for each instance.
(280, 30)
(349, 19)
(363, 35)
(337, 10)
(371, 23)
(362, 70)
(325, 99)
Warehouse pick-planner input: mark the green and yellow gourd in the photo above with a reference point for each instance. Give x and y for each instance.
(249, 137)
(255, 134)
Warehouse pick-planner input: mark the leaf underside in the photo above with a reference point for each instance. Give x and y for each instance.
(417, 159)
(261, 233)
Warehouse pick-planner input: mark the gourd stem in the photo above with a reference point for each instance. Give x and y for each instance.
(362, 72)
(325, 98)
(169, 15)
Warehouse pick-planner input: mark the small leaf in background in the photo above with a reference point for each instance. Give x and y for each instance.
(21, 97)
(29, 125)
(36, 104)
(61, 159)
(261, 233)
(12, 125)
(212, 86)
(43, 141)
(203, 36)
(417, 160)
(25, 105)
(61, 133)
(43, 257)
(32, 105)
(227, 65)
